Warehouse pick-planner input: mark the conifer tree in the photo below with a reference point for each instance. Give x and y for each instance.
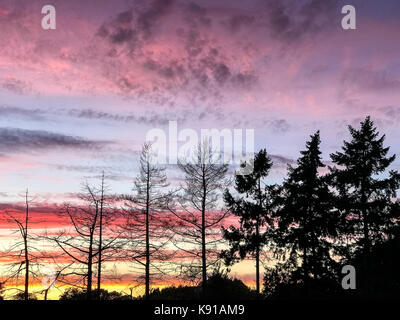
(306, 219)
(365, 191)
(252, 208)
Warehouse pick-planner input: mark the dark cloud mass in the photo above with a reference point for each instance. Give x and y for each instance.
(14, 140)
(239, 21)
(147, 20)
(281, 161)
(31, 114)
(192, 58)
(277, 125)
(137, 23)
(291, 20)
(202, 46)
(188, 116)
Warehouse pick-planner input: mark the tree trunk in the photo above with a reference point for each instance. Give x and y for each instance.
(203, 254)
(258, 244)
(26, 291)
(90, 271)
(100, 256)
(100, 238)
(367, 243)
(257, 261)
(305, 270)
(147, 289)
(365, 219)
(366, 258)
(203, 237)
(45, 294)
(366, 234)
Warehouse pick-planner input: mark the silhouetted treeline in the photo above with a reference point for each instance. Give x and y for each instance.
(323, 216)
(326, 221)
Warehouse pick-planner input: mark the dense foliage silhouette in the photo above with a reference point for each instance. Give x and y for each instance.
(102, 294)
(303, 232)
(219, 287)
(253, 210)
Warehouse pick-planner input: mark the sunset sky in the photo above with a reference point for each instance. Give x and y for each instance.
(80, 99)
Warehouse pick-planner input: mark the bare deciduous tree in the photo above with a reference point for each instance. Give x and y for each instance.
(145, 217)
(22, 254)
(197, 211)
(84, 243)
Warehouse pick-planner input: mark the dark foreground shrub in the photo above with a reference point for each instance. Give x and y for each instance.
(78, 294)
(219, 287)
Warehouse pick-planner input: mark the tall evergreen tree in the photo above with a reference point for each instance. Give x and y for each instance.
(365, 192)
(252, 208)
(306, 219)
